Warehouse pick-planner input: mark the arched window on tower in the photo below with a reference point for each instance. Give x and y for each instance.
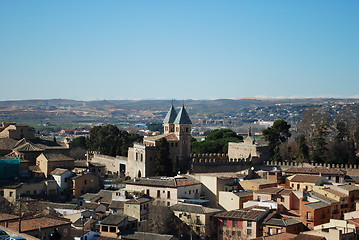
(139, 173)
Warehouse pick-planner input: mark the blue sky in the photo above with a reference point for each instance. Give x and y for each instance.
(117, 49)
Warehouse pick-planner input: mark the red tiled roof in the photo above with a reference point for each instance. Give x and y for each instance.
(315, 170)
(305, 178)
(337, 193)
(36, 223)
(5, 216)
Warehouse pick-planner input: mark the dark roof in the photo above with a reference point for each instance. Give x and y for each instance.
(117, 204)
(139, 200)
(148, 236)
(193, 208)
(244, 193)
(91, 197)
(282, 222)
(114, 219)
(317, 205)
(182, 117)
(253, 213)
(90, 206)
(171, 115)
(315, 170)
(57, 157)
(63, 206)
(106, 196)
(7, 143)
(80, 163)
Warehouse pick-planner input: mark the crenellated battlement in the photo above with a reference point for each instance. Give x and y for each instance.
(295, 164)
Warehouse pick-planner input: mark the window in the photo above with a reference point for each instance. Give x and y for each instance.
(148, 192)
(85, 182)
(112, 229)
(104, 229)
(235, 223)
(186, 129)
(239, 233)
(233, 233)
(225, 223)
(158, 193)
(249, 224)
(168, 204)
(249, 232)
(189, 192)
(168, 194)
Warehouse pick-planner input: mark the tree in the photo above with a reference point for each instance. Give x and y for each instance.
(216, 142)
(109, 140)
(303, 149)
(319, 146)
(276, 135)
(79, 142)
(163, 164)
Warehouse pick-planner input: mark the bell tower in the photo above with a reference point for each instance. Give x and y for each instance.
(168, 125)
(182, 129)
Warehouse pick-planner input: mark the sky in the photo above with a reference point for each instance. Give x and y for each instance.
(202, 49)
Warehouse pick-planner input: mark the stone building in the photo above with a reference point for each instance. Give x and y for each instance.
(177, 132)
(249, 149)
(16, 131)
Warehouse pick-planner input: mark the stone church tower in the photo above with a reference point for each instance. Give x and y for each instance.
(177, 132)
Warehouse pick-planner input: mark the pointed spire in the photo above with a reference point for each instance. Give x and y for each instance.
(171, 115)
(182, 117)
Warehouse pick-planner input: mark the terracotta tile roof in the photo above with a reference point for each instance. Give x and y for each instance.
(167, 136)
(5, 216)
(259, 181)
(290, 236)
(337, 193)
(322, 197)
(305, 178)
(36, 223)
(315, 170)
(274, 190)
(163, 181)
(254, 213)
(185, 181)
(354, 221)
(349, 187)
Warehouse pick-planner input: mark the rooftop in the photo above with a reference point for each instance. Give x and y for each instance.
(254, 213)
(305, 178)
(163, 182)
(317, 205)
(57, 157)
(315, 170)
(114, 219)
(193, 208)
(36, 223)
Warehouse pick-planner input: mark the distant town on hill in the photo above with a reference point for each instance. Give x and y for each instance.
(231, 113)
